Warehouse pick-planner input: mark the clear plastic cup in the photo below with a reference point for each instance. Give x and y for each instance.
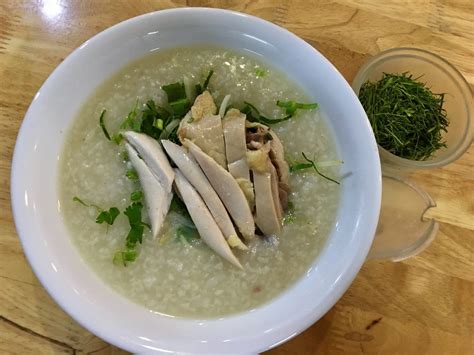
(403, 231)
(440, 77)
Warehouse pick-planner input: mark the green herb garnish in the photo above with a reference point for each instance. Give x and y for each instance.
(132, 175)
(291, 106)
(134, 236)
(406, 116)
(201, 88)
(254, 115)
(134, 215)
(125, 257)
(124, 155)
(290, 216)
(259, 72)
(136, 196)
(174, 91)
(186, 234)
(131, 121)
(117, 138)
(310, 164)
(107, 216)
(102, 125)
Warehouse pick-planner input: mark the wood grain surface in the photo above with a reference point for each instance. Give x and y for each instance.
(424, 305)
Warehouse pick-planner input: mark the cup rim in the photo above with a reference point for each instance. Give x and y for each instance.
(466, 139)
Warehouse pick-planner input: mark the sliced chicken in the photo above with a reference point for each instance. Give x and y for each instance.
(202, 218)
(257, 137)
(203, 106)
(152, 153)
(275, 192)
(157, 196)
(204, 128)
(268, 210)
(235, 144)
(277, 156)
(228, 190)
(266, 215)
(193, 173)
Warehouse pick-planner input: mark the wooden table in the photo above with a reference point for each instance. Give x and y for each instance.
(419, 306)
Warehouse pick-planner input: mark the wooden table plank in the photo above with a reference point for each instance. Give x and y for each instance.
(421, 305)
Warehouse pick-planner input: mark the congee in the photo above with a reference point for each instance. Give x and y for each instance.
(199, 182)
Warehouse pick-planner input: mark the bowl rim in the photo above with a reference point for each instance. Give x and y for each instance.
(343, 282)
(456, 75)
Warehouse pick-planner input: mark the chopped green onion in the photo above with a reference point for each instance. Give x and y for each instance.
(130, 120)
(102, 125)
(297, 166)
(291, 106)
(159, 124)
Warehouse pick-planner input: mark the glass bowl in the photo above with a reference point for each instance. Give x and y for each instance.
(441, 77)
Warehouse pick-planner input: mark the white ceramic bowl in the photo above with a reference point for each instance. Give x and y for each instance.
(112, 317)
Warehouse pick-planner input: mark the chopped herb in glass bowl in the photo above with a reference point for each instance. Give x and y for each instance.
(407, 118)
(419, 106)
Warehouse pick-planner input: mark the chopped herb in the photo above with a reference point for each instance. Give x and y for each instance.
(158, 124)
(208, 79)
(310, 164)
(291, 106)
(136, 195)
(253, 115)
(290, 216)
(132, 175)
(117, 138)
(150, 115)
(102, 125)
(201, 88)
(178, 206)
(406, 116)
(108, 216)
(259, 72)
(77, 199)
(124, 155)
(180, 107)
(125, 257)
(186, 234)
(171, 131)
(174, 91)
(177, 99)
(130, 121)
(135, 235)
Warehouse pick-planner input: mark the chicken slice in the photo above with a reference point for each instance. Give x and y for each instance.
(157, 196)
(193, 173)
(266, 215)
(235, 144)
(152, 153)
(204, 128)
(228, 190)
(203, 106)
(268, 210)
(202, 218)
